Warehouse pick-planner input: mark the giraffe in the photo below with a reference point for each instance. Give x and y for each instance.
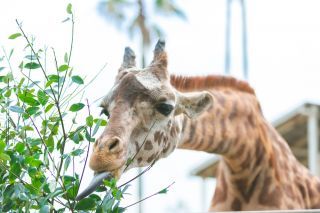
(152, 113)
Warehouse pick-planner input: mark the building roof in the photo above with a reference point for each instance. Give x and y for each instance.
(293, 128)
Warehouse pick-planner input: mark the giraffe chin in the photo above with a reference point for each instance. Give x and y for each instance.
(95, 182)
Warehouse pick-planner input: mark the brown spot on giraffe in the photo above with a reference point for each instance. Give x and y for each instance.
(259, 152)
(173, 132)
(166, 148)
(236, 205)
(137, 146)
(302, 189)
(158, 137)
(148, 145)
(151, 158)
(216, 114)
(139, 160)
(234, 111)
(245, 188)
(269, 196)
(247, 161)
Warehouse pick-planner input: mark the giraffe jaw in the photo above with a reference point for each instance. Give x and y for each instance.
(95, 182)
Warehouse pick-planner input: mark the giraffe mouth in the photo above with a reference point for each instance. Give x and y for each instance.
(95, 182)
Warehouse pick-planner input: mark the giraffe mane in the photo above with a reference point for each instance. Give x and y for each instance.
(190, 83)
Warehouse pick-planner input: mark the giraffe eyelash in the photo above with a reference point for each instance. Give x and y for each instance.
(105, 112)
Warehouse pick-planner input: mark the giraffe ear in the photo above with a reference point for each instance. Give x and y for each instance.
(194, 103)
(129, 59)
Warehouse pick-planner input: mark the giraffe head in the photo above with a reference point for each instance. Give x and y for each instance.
(144, 113)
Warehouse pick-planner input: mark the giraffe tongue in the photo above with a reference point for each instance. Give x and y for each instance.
(96, 181)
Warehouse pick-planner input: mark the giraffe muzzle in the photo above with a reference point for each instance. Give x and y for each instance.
(95, 182)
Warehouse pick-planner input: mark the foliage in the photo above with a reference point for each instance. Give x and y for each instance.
(38, 146)
(42, 134)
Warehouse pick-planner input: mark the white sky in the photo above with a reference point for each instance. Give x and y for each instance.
(284, 51)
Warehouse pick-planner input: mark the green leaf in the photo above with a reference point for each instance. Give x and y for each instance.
(31, 57)
(21, 65)
(67, 163)
(21, 82)
(50, 143)
(77, 79)
(32, 110)
(55, 193)
(89, 120)
(53, 78)
(2, 146)
(99, 122)
(47, 109)
(77, 136)
(77, 152)
(8, 93)
(27, 128)
(42, 97)
(69, 8)
(8, 78)
(15, 35)
(1, 68)
(88, 136)
(48, 83)
(31, 65)
(20, 147)
(4, 157)
(68, 179)
(163, 191)
(44, 209)
(103, 122)
(63, 67)
(85, 204)
(28, 98)
(66, 58)
(16, 109)
(76, 107)
(36, 163)
(107, 204)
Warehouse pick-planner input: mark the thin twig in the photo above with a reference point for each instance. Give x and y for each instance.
(70, 52)
(135, 177)
(159, 192)
(86, 159)
(57, 69)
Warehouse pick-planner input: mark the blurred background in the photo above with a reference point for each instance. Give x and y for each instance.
(275, 45)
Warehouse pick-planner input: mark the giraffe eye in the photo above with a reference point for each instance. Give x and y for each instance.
(106, 112)
(164, 108)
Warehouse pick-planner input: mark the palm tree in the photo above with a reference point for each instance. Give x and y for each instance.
(132, 17)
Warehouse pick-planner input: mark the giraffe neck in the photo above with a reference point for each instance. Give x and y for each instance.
(257, 169)
(231, 129)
